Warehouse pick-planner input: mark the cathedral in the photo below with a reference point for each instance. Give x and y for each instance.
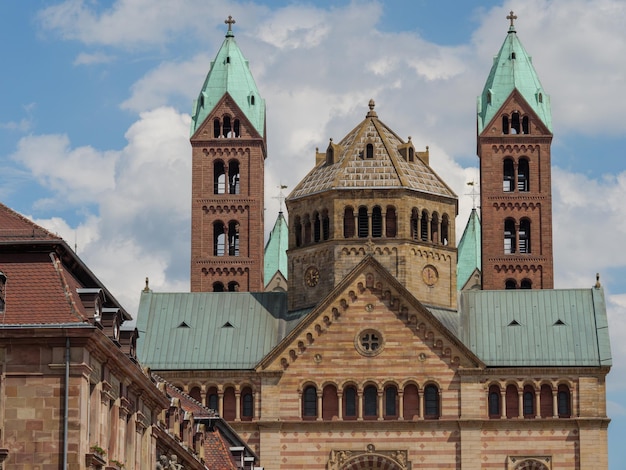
(362, 337)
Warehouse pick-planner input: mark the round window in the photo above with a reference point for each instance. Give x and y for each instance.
(369, 342)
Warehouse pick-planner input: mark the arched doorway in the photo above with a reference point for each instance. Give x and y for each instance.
(371, 462)
(368, 459)
(531, 464)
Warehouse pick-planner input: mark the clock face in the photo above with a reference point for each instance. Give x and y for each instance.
(312, 276)
(430, 275)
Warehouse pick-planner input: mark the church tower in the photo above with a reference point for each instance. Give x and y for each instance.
(229, 148)
(372, 194)
(514, 138)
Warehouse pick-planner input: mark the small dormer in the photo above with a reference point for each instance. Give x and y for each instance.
(111, 323)
(333, 151)
(128, 342)
(92, 299)
(407, 151)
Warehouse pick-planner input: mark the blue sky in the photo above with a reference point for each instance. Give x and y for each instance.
(96, 96)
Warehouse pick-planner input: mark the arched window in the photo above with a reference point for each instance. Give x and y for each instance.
(233, 286)
(325, 225)
(529, 402)
(219, 177)
(330, 403)
(233, 177)
(508, 172)
(391, 228)
(317, 227)
(510, 284)
(348, 222)
(515, 123)
(364, 229)
(307, 230)
(494, 402)
(349, 403)
(509, 236)
(526, 284)
(370, 402)
(445, 228)
(414, 224)
(237, 128)
(512, 402)
(431, 402)
(545, 401)
(424, 226)
(219, 239)
(216, 128)
(377, 222)
(212, 398)
(369, 151)
(247, 404)
(563, 402)
(525, 125)
(233, 238)
(411, 154)
(410, 402)
(434, 228)
(218, 287)
(391, 402)
(196, 394)
(227, 130)
(523, 175)
(297, 228)
(229, 404)
(330, 156)
(524, 236)
(505, 124)
(309, 402)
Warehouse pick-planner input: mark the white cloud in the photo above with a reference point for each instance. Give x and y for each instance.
(80, 175)
(91, 59)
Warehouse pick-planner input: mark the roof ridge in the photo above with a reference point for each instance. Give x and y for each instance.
(58, 267)
(34, 229)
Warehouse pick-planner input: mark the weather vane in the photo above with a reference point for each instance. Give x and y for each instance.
(281, 197)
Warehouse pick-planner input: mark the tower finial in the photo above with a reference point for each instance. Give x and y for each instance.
(371, 112)
(230, 22)
(512, 17)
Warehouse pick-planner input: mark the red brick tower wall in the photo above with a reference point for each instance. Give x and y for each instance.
(215, 205)
(504, 198)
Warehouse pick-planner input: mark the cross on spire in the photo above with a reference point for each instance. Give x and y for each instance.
(473, 193)
(512, 17)
(281, 197)
(230, 22)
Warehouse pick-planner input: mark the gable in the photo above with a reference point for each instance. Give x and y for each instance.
(368, 307)
(516, 101)
(226, 106)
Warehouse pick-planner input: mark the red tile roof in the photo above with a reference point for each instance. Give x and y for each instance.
(216, 452)
(39, 290)
(14, 227)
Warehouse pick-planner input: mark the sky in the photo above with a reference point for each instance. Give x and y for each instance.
(96, 100)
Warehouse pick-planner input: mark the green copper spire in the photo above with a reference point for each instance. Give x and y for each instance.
(512, 70)
(230, 73)
(468, 259)
(275, 258)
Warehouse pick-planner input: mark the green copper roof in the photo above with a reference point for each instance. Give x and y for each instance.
(512, 70)
(275, 257)
(468, 259)
(211, 330)
(538, 327)
(230, 73)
